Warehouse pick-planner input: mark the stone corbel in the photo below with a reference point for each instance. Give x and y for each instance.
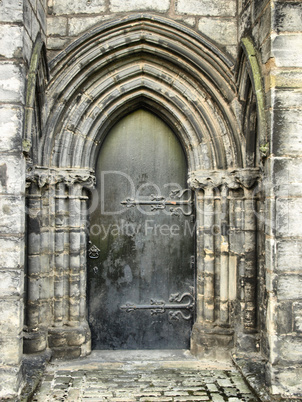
(233, 179)
(44, 176)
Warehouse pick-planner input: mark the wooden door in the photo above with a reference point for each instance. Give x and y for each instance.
(141, 250)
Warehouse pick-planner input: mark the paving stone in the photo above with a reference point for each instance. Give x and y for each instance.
(217, 398)
(144, 384)
(162, 399)
(212, 388)
(224, 383)
(191, 398)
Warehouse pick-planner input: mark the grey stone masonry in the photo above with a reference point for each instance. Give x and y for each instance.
(67, 20)
(20, 23)
(12, 185)
(276, 27)
(130, 379)
(226, 76)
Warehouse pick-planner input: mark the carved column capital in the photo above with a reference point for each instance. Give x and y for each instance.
(49, 176)
(232, 179)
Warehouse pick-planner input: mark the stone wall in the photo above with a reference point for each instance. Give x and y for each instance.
(284, 248)
(12, 167)
(66, 20)
(20, 23)
(276, 30)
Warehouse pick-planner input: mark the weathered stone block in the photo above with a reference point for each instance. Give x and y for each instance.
(284, 319)
(287, 381)
(11, 317)
(225, 32)
(67, 353)
(34, 264)
(289, 217)
(33, 243)
(287, 178)
(12, 174)
(133, 5)
(12, 80)
(11, 379)
(11, 41)
(75, 241)
(286, 50)
(11, 11)
(289, 255)
(290, 349)
(207, 7)
(59, 7)
(11, 252)
(12, 283)
(284, 99)
(56, 43)
(57, 26)
(287, 132)
(297, 317)
(289, 287)
(79, 25)
(12, 214)
(287, 16)
(11, 350)
(11, 119)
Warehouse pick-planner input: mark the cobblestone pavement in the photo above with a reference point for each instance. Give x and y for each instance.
(142, 376)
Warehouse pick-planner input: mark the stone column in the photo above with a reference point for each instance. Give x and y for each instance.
(220, 260)
(56, 296)
(38, 309)
(70, 335)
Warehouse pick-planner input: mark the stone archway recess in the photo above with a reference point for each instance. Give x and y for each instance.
(151, 62)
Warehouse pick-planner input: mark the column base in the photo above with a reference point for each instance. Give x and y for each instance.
(68, 342)
(212, 342)
(34, 341)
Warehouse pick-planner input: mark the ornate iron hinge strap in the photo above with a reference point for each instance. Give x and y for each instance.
(157, 202)
(160, 307)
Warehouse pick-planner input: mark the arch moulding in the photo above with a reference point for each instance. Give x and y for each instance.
(140, 61)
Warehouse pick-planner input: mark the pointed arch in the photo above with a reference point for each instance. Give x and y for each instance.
(142, 60)
(38, 76)
(251, 95)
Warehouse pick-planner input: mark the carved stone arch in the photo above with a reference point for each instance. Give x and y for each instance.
(37, 79)
(150, 56)
(251, 95)
(141, 61)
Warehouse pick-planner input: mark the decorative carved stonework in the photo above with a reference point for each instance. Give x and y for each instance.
(44, 176)
(233, 179)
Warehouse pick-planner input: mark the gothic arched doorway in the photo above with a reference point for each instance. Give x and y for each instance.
(140, 272)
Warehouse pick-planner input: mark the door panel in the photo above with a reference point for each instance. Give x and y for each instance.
(140, 270)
